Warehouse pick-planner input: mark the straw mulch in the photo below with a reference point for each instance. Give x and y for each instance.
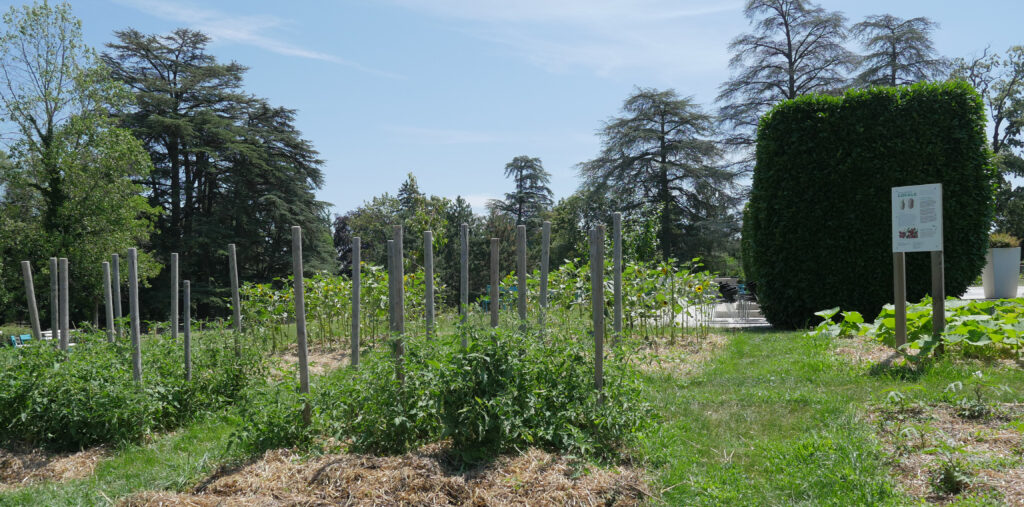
(22, 467)
(993, 448)
(424, 477)
(686, 356)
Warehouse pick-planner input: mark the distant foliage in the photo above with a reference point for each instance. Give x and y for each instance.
(819, 214)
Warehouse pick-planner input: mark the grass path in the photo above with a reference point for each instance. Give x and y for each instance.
(170, 462)
(777, 419)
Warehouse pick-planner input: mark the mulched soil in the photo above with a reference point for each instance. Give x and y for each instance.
(21, 467)
(992, 446)
(423, 477)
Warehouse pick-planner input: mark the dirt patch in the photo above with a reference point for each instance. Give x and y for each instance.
(424, 477)
(686, 356)
(321, 360)
(862, 350)
(992, 448)
(22, 467)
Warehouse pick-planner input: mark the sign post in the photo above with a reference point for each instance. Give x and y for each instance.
(917, 227)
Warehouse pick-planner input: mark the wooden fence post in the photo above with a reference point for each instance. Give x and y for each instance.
(300, 318)
(545, 259)
(356, 272)
(521, 274)
(54, 300)
(30, 295)
(187, 303)
(109, 301)
(235, 300)
(597, 303)
(495, 298)
(115, 267)
(400, 277)
(464, 278)
(174, 296)
(133, 307)
(617, 275)
(428, 280)
(65, 300)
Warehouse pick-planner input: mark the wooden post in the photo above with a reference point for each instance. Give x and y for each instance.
(545, 259)
(521, 273)
(392, 297)
(133, 307)
(400, 278)
(428, 279)
(235, 300)
(938, 294)
(109, 300)
(464, 274)
(900, 289)
(115, 267)
(30, 295)
(187, 303)
(617, 274)
(65, 301)
(495, 294)
(356, 271)
(597, 303)
(54, 300)
(300, 318)
(174, 297)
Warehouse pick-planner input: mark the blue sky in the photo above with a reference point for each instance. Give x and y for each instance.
(451, 90)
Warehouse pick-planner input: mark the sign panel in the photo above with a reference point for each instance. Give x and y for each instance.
(917, 218)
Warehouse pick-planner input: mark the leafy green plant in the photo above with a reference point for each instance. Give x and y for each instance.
(953, 473)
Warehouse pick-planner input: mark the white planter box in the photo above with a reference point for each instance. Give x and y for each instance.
(1001, 273)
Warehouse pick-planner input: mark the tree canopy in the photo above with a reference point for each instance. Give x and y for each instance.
(899, 51)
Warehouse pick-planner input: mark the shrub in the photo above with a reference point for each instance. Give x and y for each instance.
(819, 213)
(1002, 240)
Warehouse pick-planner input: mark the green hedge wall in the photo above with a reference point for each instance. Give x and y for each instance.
(819, 215)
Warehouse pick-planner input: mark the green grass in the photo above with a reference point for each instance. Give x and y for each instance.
(776, 419)
(171, 462)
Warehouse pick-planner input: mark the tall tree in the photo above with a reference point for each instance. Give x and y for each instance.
(660, 154)
(899, 51)
(68, 187)
(795, 48)
(532, 196)
(217, 151)
(1000, 81)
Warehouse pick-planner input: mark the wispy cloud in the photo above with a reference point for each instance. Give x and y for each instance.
(604, 36)
(423, 135)
(251, 30)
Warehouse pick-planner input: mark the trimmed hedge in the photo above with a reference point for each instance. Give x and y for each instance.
(819, 216)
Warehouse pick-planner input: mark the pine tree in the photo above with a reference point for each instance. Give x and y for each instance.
(900, 51)
(532, 196)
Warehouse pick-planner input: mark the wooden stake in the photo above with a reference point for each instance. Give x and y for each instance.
(65, 302)
(109, 301)
(300, 318)
(521, 273)
(133, 306)
(545, 259)
(400, 287)
(597, 303)
(428, 279)
(30, 296)
(464, 278)
(174, 297)
(54, 300)
(115, 267)
(188, 330)
(617, 275)
(900, 289)
(356, 271)
(495, 301)
(235, 300)
(938, 297)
